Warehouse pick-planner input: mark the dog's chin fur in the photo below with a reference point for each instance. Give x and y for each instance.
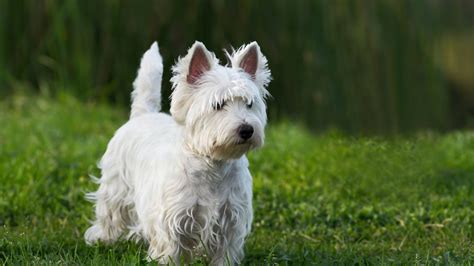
(230, 152)
(181, 183)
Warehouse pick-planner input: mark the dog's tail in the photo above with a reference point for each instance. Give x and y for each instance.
(146, 95)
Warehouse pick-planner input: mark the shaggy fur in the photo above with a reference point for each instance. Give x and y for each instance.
(181, 182)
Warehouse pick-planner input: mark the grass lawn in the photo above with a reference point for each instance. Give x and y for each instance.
(325, 198)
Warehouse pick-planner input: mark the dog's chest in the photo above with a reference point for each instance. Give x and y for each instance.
(216, 201)
(206, 222)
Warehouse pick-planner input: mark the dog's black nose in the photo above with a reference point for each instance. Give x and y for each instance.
(245, 131)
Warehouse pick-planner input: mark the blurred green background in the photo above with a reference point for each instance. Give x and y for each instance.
(397, 69)
(363, 67)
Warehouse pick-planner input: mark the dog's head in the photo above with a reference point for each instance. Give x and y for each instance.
(222, 108)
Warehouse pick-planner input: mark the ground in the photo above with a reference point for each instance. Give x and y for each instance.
(319, 198)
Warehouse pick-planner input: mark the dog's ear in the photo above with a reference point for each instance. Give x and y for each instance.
(253, 62)
(249, 60)
(188, 71)
(199, 63)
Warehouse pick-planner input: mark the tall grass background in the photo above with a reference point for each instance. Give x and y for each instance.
(374, 66)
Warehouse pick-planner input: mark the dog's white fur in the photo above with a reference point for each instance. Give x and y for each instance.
(181, 182)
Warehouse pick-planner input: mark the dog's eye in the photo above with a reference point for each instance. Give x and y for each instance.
(249, 105)
(218, 106)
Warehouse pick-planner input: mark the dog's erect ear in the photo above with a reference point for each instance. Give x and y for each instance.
(200, 62)
(253, 62)
(249, 60)
(188, 71)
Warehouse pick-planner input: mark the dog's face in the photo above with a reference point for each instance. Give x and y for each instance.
(221, 107)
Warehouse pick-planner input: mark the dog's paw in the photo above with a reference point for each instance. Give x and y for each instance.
(94, 234)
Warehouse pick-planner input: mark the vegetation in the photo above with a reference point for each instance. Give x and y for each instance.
(375, 66)
(344, 69)
(327, 198)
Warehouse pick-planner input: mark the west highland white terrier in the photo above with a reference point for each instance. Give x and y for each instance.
(182, 182)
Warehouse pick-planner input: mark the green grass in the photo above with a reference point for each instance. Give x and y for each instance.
(325, 198)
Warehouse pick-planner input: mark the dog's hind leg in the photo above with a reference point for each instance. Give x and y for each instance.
(110, 209)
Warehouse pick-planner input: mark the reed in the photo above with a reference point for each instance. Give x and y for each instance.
(361, 66)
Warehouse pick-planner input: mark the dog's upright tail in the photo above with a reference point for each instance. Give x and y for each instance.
(146, 95)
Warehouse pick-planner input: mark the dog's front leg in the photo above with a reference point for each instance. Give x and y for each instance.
(234, 226)
(163, 250)
(170, 238)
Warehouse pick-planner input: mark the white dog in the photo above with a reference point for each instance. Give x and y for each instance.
(181, 182)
